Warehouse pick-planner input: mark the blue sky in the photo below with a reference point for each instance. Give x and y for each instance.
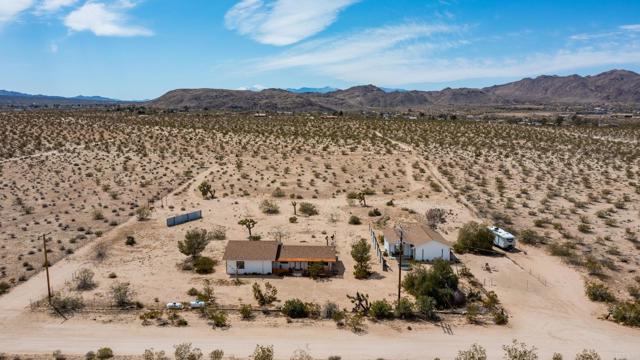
(139, 49)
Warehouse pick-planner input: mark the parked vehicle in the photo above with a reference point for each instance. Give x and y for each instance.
(502, 238)
(175, 306)
(197, 304)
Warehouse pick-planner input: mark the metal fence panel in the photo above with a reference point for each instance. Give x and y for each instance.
(184, 218)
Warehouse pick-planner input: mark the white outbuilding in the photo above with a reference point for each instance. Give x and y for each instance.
(421, 243)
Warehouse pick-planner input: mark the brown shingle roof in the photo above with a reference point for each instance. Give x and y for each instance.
(251, 250)
(415, 234)
(310, 253)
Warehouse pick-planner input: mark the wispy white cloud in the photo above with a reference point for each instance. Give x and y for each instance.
(10, 9)
(631, 27)
(418, 54)
(47, 6)
(105, 19)
(283, 22)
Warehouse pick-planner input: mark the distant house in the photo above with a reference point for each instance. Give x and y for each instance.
(421, 243)
(502, 238)
(271, 257)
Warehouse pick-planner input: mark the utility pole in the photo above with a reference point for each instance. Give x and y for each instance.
(400, 262)
(46, 264)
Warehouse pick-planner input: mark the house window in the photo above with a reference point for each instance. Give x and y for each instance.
(240, 265)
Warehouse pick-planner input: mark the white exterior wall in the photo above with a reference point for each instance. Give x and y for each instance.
(431, 251)
(250, 267)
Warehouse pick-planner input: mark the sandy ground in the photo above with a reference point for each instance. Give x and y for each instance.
(544, 297)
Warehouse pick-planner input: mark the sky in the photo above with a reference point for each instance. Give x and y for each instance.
(139, 49)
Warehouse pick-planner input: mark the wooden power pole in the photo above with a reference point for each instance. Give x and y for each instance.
(400, 262)
(46, 265)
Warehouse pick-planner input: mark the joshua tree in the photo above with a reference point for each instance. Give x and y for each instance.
(362, 198)
(248, 223)
(206, 190)
(295, 211)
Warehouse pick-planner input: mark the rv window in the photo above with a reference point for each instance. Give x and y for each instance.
(240, 265)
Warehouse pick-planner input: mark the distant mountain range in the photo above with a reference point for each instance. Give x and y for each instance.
(612, 87)
(21, 99)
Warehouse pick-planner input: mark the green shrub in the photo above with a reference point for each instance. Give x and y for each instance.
(599, 292)
(361, 254)
(475, 238)
(439, 282)
(204, 265)
(404, 309)
(374, 212)
(295, 309)
(381, 309)
(269, 207)
(4, 287)
(426, 307)
(530, 237)
(217, 317)
(265, 297)
(308, 209)
(67, 304)
(246, 312)
(626, 313)
(104, 353)
(500, 317)
(354, 220)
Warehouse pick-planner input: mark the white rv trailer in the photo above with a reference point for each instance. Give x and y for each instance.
(502, 238)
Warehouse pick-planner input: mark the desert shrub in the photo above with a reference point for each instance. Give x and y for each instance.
(122, 294)
(193, 292)
(218, 318)
(626, 313)
(560, 250)
(185, 351)
(90, 355)
(439, 282)
(530, 237)
(361, 254)
(472, 313)
(130, 241)
(67, 304)
(143, 213)
(4, 287)
(149, 354)
(58, 355)
(315, 270)
(266, 297)
(588, 355)
(329, 309)
(519, 351)
(435, 217)
(204, 265)
(278, 193)
(598, 292)
(100, 251)
(308, 209)
(216, 355)
(426, 307)
(246, 312)
(83, 279)
(584, 228)
(293, 219)
(195, 241)
(374, 212)
(475, 352)
(104, 353)
(269, 207)
(381, 309)
(500, 317)
(262, 353)
(473, 237)
(556, 356)
(301, 355)
(295, 309)
(219, 233)
(404, 309)
(355, 322)
(354, 220)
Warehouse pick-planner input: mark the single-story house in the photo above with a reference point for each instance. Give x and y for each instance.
(421, 243)
(244, 257)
